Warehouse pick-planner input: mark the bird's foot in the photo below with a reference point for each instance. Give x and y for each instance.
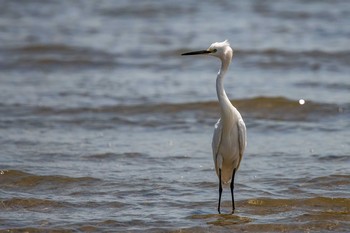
(233, 211)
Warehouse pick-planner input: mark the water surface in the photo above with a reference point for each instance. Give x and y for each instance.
(106, 128)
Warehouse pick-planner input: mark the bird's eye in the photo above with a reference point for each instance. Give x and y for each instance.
(215, 50)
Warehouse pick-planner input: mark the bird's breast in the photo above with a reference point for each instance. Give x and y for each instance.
(229, 146)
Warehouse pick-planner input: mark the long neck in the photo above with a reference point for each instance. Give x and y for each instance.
(224, 101)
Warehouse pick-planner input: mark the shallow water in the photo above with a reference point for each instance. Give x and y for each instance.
(106, 128)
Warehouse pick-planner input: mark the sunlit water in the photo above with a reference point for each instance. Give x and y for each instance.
(106, 128)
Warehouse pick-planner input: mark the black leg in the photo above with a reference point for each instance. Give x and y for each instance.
(220, 190)
(232, 187)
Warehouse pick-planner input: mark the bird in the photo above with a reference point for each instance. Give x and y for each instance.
(230, 133)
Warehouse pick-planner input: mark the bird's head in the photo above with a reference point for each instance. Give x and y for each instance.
(220, 50)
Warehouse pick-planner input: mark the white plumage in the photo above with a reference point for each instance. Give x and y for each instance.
(230, 137)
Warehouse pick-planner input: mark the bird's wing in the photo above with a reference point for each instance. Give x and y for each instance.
(242, 139)
(216, 142)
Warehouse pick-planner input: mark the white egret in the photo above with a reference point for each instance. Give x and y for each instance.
(229, 139)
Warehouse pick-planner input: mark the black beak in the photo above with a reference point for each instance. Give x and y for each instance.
(197, 52)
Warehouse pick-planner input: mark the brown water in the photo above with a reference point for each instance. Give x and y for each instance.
(106, 128)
